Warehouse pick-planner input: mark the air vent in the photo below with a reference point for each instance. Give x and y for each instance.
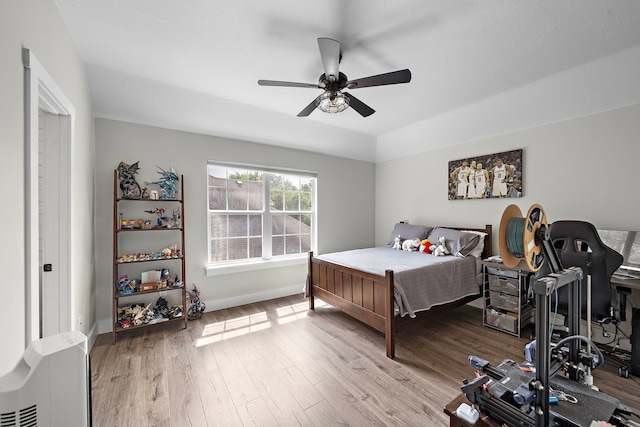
(29, 416)
(8, 419)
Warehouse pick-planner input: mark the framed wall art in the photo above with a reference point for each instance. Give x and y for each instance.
(483, 177)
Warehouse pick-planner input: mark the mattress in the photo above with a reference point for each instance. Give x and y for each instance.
(421, 280)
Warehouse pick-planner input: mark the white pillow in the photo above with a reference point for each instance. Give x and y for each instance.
(477, 251)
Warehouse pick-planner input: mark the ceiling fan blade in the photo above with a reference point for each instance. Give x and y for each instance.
(392, 78)
(363, 109)
(330, 54)
(309, 108)
(287, 84)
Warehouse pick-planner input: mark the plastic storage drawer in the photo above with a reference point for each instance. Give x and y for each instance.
(501, 320)
(497, 271)
(506, 285)
(504, 301)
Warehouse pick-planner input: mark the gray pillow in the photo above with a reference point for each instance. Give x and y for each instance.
(409, 231)
(458, 243)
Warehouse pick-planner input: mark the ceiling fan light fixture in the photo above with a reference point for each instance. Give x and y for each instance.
(333, 102)
(332, 81)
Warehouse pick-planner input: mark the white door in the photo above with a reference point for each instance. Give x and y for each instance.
(53, 255)
(49, 137)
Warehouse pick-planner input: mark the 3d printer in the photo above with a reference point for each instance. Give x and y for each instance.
(532, 394)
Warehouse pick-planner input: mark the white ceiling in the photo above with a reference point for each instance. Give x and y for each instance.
(194, 64)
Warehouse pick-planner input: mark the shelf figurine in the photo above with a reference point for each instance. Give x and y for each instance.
(124, 286)
(176, 219)
(159, 212)
(167, 184)
(128, 184)
(195, 304)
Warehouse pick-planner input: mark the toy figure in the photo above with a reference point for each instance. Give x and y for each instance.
(175, 312)
(162, 307)
(142, 315)
(128, 184)
(411, 245)
(159, 212)
(425, 246)
(440, 249)
(167, 184)
(124, 286)
(196, 306)
(176, 219)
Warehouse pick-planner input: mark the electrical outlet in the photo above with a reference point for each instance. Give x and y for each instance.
(79, 320)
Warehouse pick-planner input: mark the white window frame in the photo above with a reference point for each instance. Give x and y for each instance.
(267, 261)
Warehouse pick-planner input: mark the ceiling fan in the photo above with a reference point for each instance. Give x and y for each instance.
(333, 99)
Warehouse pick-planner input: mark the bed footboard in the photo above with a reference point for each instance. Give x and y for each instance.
(364, 296)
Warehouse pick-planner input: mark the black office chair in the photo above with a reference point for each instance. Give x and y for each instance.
(578, 244)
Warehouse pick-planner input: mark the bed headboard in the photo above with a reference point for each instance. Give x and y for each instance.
(488, 250)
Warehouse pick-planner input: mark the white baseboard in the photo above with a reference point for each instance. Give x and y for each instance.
(92, 336)
(106, 326)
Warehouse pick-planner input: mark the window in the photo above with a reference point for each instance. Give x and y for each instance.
(245, 228)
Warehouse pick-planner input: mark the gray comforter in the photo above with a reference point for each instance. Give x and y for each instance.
(420, 280)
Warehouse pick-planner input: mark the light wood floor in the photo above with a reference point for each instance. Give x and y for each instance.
(277, 364)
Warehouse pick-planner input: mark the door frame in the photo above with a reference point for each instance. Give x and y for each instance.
(42, 93)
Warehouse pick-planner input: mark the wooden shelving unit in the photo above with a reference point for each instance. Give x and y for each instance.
(138, 236)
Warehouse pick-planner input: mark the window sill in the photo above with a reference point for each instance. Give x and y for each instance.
(256, 265)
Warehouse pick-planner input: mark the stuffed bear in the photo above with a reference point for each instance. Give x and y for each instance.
(411, 245)
(398, 242)
(440, 249)
(425, 246)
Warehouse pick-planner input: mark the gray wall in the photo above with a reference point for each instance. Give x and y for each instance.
(582, 169)
(579, 169)
(345, 205)
(38, 26)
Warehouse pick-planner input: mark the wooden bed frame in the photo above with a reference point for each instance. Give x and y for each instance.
(369, 297)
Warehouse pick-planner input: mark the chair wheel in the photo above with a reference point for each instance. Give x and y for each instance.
(623, 371)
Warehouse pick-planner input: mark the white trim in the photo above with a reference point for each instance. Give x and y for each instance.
(261, 168)
(267, 218)
(267, 214)
(217, 270)
(92, 336)
(42, 92)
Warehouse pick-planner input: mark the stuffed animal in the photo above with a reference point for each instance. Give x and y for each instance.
(398, 242)
(411, 245)
(425, 246)
(441, 248)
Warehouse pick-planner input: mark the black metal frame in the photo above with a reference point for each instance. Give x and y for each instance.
(543, 288)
